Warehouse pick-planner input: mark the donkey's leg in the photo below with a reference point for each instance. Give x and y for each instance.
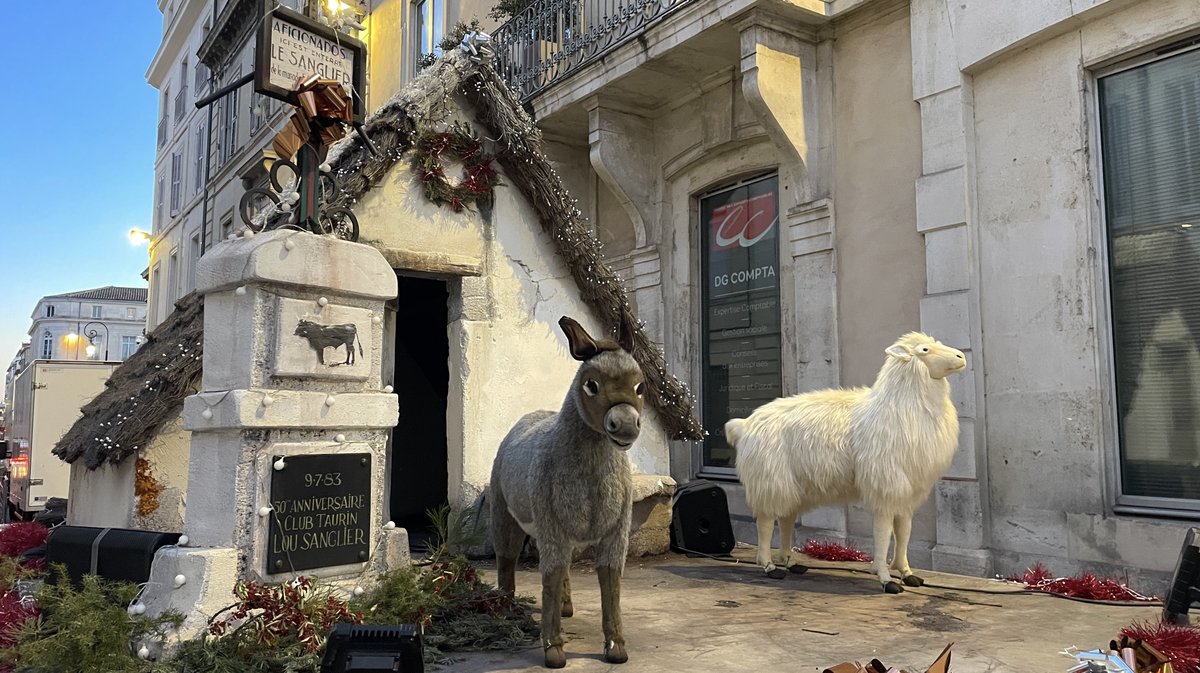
(552, 640)
(882, 523)
(610, 606)
(567, 608)
(902, 524)
(508, 537)
(787, 539)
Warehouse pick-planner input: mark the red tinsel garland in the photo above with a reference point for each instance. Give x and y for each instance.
(13, 614)
(18, 538)
(1178, 642)
(832, 551)
(1087, 585)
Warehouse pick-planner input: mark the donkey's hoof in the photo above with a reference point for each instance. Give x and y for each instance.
(893, 588)
(797, 569)
(555, 657)
(614, 653)
(568, 609)
(914, 581)
(777, 573)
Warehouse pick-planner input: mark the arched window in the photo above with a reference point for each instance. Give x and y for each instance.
(47, 346)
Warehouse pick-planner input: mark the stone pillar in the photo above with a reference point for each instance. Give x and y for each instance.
(289, 432)
(950, 307)
(288, 466)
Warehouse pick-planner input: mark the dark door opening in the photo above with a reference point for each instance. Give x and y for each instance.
(421, 380)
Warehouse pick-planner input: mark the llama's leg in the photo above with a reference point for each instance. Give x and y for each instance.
(766, 526)
(883, 536)
(902, 524)
(567, 608)
(610, 610)
(552, 640)
(787, 539)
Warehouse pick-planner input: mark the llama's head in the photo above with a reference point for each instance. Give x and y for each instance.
(923, 351)
(609, 386)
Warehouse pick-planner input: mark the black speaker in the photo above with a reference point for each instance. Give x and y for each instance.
(700, 519)
(112, 553)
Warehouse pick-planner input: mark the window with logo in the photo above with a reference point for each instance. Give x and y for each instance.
(47, 346)
(128, 346)
(1150, 144)
(740, 324)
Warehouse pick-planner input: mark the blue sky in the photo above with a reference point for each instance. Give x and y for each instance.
(76, 153)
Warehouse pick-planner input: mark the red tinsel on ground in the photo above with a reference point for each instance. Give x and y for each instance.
(1178, 642)
(832, 551)
(13, 614)
(18, 538)
(1087, 585)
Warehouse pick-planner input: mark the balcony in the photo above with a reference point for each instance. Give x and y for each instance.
(553, 39)
(162, 130)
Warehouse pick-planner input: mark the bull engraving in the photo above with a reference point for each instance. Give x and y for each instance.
(321, 337)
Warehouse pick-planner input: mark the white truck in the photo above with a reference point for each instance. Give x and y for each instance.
(47, 398)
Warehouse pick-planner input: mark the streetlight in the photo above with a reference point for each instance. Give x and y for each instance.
(91, 335)
(138, 237)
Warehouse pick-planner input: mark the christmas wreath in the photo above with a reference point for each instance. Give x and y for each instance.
(479, 176)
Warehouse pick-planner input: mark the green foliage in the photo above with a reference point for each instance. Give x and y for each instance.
(88, 629)
(456, 608)
(506, 9)
(271, 629)
(456, 531)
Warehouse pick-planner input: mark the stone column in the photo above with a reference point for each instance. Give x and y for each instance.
(950, 307)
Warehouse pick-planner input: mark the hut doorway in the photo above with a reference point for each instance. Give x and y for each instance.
(420, 376)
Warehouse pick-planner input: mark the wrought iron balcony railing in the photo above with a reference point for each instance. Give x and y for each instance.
(552, 39)
(162, 130)
(181, 101)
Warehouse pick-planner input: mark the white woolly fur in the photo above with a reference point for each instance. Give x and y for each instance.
(885, 446)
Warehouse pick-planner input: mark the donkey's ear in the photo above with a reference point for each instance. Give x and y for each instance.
(625, 332)
(582, 345)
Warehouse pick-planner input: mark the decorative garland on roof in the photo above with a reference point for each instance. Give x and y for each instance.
(479, 176)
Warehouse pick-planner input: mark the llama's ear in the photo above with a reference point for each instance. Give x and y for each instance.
(899, 352)
(625, 332)
(582, 345)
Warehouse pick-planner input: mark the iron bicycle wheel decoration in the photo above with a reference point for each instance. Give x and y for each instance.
(337, 221)
(479, 176)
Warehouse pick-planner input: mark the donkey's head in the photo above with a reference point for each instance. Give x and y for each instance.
(608, 387)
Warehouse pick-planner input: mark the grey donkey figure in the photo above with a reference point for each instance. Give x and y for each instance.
(564, 479)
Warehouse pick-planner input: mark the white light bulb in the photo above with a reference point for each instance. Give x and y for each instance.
(358, 591)
(289, 244)
(267, 400)
(144, 652)
(329, 400)
(339, 438)
(279, 464)
(248, 233)
(388, 389)
(139, 608)
(206, 414)
(375, 320)
(264, 511)
(325, 167)
(180, 580)
(390, 525)
(183, 540)
(241, 290)
(322, 302)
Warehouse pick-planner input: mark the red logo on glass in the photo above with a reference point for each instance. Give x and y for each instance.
(743, 223)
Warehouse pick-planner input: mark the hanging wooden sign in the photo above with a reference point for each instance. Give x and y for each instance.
(291, 48)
